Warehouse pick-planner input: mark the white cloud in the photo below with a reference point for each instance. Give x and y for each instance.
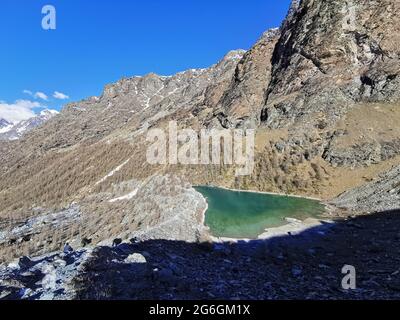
(37, 95)
(18, 111)
(59, 95)
(41, 95)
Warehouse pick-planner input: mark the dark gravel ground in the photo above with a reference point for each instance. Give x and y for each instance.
(306, 266)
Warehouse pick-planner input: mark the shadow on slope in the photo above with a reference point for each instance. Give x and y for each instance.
(303, 266)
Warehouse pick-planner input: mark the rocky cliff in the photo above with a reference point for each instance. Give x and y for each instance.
(332, 54)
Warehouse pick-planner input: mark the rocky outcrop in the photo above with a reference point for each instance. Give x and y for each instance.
(48, 277)
(161, 207)
(330, 55)
(243, 100)
(365, 154)
(165, 207)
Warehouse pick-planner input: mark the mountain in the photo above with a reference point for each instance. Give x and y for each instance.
(321, 92)
(4, 125)
(94, 141)
(10, 131)
(333, 53)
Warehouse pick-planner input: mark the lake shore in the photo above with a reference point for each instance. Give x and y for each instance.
(263, 192)
(293, 226)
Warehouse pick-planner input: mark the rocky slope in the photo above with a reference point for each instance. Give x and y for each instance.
(9, 131)
(378, 195)
(240, 104)
(304, 266)
(330, 56)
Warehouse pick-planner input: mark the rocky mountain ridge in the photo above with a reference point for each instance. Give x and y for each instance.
(9, 131)
(335, 53)
(4, 124)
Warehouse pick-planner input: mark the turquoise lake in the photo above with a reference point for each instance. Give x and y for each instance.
(235, 214)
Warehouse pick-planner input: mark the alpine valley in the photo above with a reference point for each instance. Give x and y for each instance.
(322, 93)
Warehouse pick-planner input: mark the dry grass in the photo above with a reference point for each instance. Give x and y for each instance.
(57, 179)
(369, 123)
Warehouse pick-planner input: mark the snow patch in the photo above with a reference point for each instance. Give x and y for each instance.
(128, 196)
(6, 129)
(112, 172)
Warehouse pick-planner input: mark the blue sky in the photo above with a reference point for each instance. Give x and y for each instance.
(99, 41)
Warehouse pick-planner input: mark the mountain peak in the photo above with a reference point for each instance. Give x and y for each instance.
(4, 123)
(48, 112)
(333, 53)
(235, 54)
(10, 131)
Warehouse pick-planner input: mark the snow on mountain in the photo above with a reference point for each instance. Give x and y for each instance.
(10, 131)
(4, 123)
(5, 126)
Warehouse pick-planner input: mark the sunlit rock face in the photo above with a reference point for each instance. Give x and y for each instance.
(332, 54)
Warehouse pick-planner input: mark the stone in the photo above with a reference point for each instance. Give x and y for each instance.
(25, 263)
(296, 271)
(135, 258)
